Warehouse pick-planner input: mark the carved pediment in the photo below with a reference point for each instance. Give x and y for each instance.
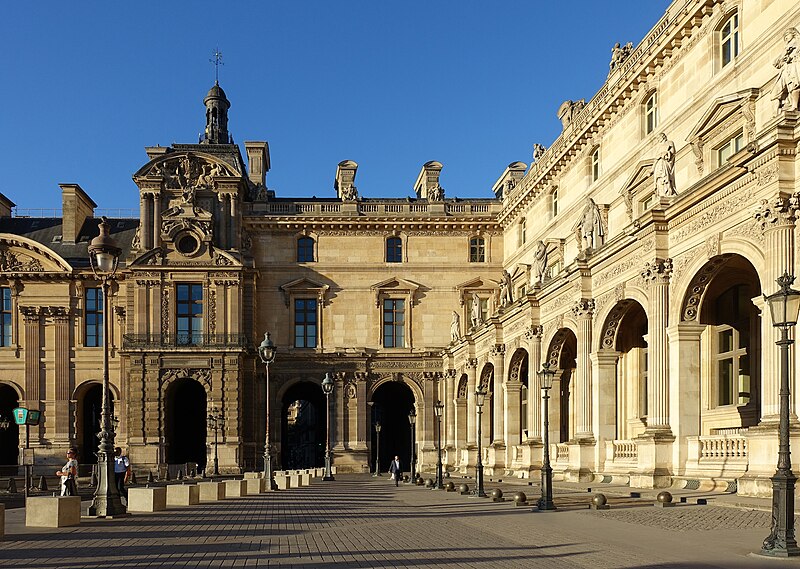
(180, 170)
(478, 284)
(636, 182)
(721, 109)
(303, 286)
(394, 285)
(22, 255)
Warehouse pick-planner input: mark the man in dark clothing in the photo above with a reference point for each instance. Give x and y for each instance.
(396, 471)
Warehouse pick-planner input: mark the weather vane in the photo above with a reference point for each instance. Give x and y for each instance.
(217, 61)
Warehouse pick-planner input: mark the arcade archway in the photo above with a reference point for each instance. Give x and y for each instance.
(185, 423)
(89, 399)
(391, 404)
(9, 438)
(303, 426)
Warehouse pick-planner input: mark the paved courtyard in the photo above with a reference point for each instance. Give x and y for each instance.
(360, 521)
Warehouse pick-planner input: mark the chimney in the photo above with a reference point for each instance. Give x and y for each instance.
(258, 159)
(76, 207)
(5, 206)
(427, 184)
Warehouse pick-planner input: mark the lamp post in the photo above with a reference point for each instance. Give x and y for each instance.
(267, 352)
(780, 542)
(480, 398)
(327, 388)
(546, 500)
(412, 420)
(217, 420)
(104, 259)
(377, 449)
(438, 409)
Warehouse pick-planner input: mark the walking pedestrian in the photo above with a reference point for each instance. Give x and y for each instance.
(395, 470)
(122, 471)
(69, 474)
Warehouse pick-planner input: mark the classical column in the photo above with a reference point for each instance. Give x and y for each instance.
(777, 217)
(472, 422)
(583, 311)
(337, 433)
(157, 219)
(363, 424)
(450, 411)
(684, 359)
(498, 354)
(534, 338)
(145, 222)
(657, 275)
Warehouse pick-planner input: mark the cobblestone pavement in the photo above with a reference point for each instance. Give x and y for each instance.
(359, 521)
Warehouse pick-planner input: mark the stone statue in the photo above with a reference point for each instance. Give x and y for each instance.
(569, 110)
(590, 226)
(664, 167)
(436, 194)
(538, 152)
(476, 310)
(786, 91)
(455, 327)
(349, 193)
(188, 195)
(506, 289)
(540, 263)
(618, 55)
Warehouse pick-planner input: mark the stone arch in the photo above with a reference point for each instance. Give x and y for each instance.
(561, 357)
(693, 296)
(461, 392)
(88, 399)
(416, 389)
(17, 388)
(185, 432)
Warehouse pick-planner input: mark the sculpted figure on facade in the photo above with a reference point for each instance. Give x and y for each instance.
(590, 226)
(349, 193)
(436, 194)
(664, 167)
(475, 313)
(539, 264)
(786, 91)
(569, 109)
(506, 289)
(538, 152)
(618, 55)
(455, 327)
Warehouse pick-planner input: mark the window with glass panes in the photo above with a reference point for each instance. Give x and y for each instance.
(189, 321)
(305, 250)
(93, 317)
(554, 202)
(731, 342)
(595, 165)
(5, 314)
(305, 323)
(651, 113)
(394, 322)
(731, 147)
(729, 40)
(477, 250)
(394, 250)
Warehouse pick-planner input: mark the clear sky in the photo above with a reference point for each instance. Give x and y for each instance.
(390, 85)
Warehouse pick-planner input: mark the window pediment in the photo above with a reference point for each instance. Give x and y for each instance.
(394, 285)
(303, 287)
(637, 182)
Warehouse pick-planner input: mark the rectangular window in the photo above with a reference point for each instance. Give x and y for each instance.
(523, 232)
(394, 250)
(729, 40)
(523, 412)
(305, 323)
(554, 202)
(595, 165)
(394, 323)
(477, 250)
(5, 336)
(93, 317)
(651, 113)
(189, 331)
(731, 147)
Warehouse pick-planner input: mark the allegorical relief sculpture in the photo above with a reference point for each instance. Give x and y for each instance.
(664, 167)
(589, 229)
(538, 152)
(786, 91)
(349, 193)
(187, 172)
(569, 110)
(618, 55)
(436, 194)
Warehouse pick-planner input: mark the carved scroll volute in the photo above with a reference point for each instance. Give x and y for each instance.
(778, 211)
(657, 272)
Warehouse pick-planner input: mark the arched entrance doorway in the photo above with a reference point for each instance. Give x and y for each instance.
(518, 412)
(561, 358)
(9, 438)
(185, 423)
(391, 404)
(89, 397)
(303, 426)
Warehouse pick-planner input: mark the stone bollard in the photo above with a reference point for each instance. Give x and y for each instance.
(183, 495)
(132, 481)
(180, 474)
(147, 499)
(599, 502)
(255, 485)
(429, 483)
(520, 499)
(463, 489)
(235, 488)
(420, 481)
(150, 478)
(211, 491)
(497, 495)
(450, 487)
(52, 511)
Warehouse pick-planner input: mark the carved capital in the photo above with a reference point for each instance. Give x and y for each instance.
(659, 271)
(534, 332)
(777, 212)
(584, 308)
(30, 314)
(498, 350)
(59, 314)
(450, 372)
(471, 363)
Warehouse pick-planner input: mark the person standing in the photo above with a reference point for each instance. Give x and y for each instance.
(68, 474)
(395, 470)
(122, 471)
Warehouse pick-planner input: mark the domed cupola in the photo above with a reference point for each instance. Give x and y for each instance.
(217, 106)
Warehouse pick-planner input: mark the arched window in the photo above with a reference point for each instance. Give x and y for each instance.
(305, 250)
(595, 164)
(731, 344)
(651, 113)
(477, 250)
(729, 40)
(394, 250)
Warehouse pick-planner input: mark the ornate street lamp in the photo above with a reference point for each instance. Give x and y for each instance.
(438, 409)
(217, 420)
(377, 449)
(104, 259)
(480, 398)
(327, 388)
(784, 306)
(267, 351)
(412, 420)
(546, 500)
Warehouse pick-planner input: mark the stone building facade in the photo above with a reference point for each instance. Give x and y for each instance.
(631, 256)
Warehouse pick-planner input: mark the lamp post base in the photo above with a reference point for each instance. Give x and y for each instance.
(781, 541)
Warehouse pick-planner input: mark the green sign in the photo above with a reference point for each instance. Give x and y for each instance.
(23, 416)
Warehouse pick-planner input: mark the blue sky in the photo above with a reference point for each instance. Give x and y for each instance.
(390, 85)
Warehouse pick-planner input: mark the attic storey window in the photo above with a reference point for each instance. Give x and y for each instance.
(93, 317)
(190, 314)
(5, 316)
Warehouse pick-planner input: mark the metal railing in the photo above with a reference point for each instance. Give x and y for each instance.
(146, 341)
